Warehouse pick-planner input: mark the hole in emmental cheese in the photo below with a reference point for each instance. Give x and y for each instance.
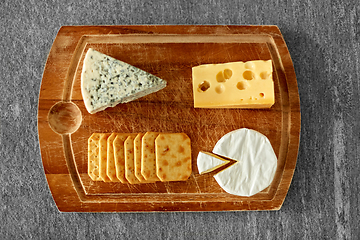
(242, 85)
(249, 65)
(220, 89)
(220, 77)
(248, 75)
(227, 73)
(205, 85)
(262, 95)
(264, 75)
(223, 76)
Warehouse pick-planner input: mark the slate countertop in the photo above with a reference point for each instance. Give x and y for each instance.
(323, 201)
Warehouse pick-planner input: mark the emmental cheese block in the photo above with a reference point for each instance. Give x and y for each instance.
(106, 82)
(234, 85)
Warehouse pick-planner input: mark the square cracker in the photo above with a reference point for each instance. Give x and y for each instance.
(119, 155)
(137, 158)
(173, 156)
(103, 157)
(93, 157)
(111, 169)
(129, 160)
(148, 157)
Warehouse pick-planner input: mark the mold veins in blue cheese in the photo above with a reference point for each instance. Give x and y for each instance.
(106, 82)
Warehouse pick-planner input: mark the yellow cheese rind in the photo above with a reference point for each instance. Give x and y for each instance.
(234, 85)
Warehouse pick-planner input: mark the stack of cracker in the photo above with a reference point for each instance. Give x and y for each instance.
(139, 158)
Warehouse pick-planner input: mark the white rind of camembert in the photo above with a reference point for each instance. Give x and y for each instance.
(256, 162)
(106, 82)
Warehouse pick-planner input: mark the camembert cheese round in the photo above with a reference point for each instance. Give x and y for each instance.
(256, 164)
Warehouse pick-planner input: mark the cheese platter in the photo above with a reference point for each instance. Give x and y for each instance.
(170, 53)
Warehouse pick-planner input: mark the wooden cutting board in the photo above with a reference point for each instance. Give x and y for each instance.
(168, 52)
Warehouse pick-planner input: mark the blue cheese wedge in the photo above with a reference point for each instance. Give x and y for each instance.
(106, 82)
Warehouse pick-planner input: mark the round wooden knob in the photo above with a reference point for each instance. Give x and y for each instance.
(64, 118)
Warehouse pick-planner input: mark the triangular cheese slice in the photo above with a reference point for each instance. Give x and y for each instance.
(208, 162)
(106, 82)
(256, 164)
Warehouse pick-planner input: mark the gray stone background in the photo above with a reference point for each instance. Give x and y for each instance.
(323, 201)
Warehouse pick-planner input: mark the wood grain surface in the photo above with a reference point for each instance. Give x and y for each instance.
(323, 38)
(168, 52)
